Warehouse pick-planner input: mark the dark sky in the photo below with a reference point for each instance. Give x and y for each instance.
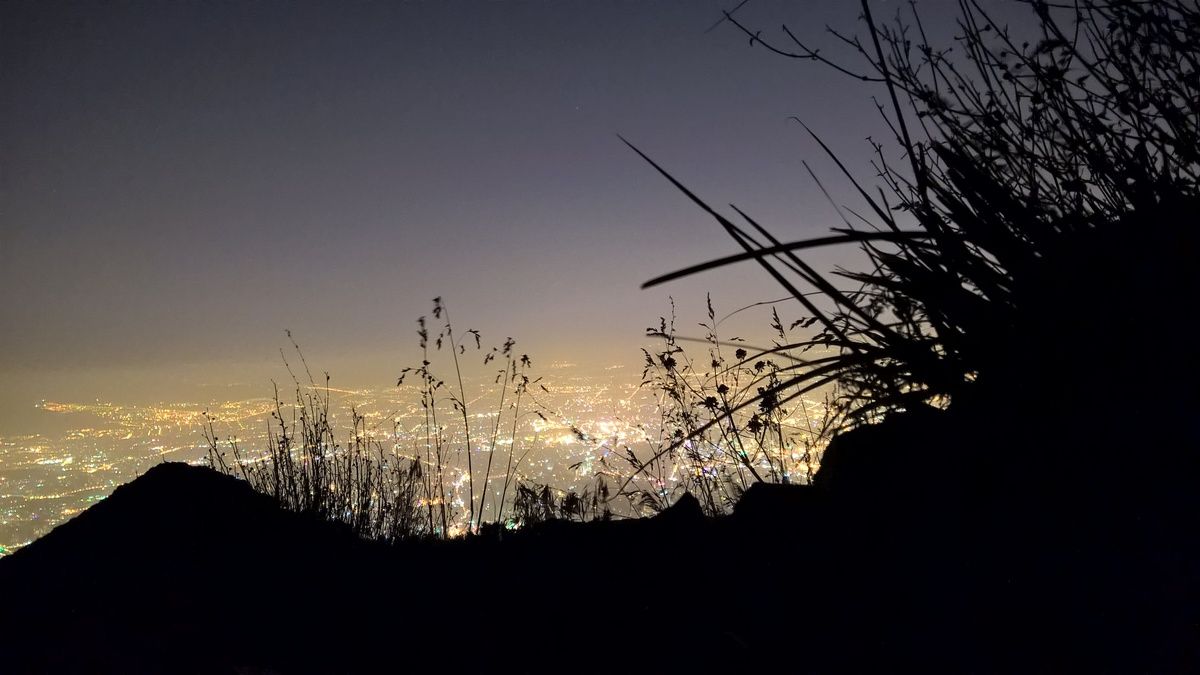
(181, 181)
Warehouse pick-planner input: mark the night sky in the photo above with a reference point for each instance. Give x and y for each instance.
(182, 181)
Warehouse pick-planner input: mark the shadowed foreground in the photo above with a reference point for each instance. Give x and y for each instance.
(188, 570)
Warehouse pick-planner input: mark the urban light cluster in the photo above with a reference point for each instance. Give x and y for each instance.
(46, 479)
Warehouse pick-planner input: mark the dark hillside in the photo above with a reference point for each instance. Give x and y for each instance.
(165, 571)
(187, 570)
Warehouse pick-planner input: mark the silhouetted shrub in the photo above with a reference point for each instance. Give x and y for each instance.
(1007, 151)
(706, 443)
(397, 492)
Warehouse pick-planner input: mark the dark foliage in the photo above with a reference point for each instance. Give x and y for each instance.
(708, 442)
(1011, 153)
(396, 492)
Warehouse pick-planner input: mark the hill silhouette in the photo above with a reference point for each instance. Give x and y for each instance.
(189, 570)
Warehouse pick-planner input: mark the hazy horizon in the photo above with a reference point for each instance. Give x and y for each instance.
(181, 182)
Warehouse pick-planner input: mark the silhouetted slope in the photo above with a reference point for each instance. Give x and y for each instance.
(895, 560)
(185, 569)
(163, 571)
(179, 511)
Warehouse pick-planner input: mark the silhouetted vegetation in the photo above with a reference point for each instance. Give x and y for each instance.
(305, 469)
(1013, 366)
(392, 492)
(707, 442)
(387, 491)
(1008, 154)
